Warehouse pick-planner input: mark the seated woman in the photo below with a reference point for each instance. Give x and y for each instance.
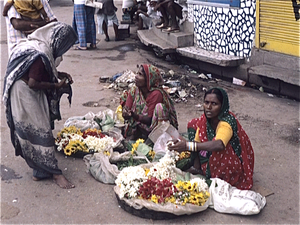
(223, 147)
(147, 18)
(146, 104)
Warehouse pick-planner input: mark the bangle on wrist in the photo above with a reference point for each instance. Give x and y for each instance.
(191, 146)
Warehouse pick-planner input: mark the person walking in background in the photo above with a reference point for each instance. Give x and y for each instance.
(28, 9)
(31, 95)
(18, 28)
(104, 15)
(84, 25)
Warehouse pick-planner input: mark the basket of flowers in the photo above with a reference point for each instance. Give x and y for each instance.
(74, 142)
(160, 190)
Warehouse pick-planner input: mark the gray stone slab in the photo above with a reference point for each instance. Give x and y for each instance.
(149, 38)
(210, 56)
(288, 76)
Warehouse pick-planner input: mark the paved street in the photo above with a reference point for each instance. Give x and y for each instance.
(271, 122)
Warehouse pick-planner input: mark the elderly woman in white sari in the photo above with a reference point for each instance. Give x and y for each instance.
(31, 94)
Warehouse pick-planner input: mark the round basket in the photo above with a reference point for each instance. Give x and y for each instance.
(145, 213)
(78, 154)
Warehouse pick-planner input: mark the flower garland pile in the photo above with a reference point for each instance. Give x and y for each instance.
(72, 140)
(158, 184)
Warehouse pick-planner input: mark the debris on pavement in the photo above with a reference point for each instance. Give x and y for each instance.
(180, 86)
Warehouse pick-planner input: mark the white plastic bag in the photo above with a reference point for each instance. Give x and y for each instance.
(228, 199)
(160, 147)
(160, 129)
(82, 122)
(100, 168)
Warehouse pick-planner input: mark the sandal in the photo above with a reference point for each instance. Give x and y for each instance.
(161, 26)
(80, 48)
(171, 30)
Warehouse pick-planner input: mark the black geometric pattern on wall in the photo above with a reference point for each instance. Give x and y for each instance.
(226, 30)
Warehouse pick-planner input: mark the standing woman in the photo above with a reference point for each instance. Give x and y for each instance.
(84, 25)
(219, 144)
(31, 97)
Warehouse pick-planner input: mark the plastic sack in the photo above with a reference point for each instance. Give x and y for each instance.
(160, 147)
(103, 120)
(102, 167)
(106, 119)
(82, 122)
(116, 134)
(161, 128)
(168, 207)
(228, 199)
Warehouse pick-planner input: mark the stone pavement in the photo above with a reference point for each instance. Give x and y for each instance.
(271, 123)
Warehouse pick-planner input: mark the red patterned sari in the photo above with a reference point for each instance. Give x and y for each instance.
(235, 163)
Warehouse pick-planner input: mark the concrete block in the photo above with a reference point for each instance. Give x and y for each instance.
(240, 72)
(124, 30)
(282, 60)
(257, 57)
(269, 84)
(290, 90)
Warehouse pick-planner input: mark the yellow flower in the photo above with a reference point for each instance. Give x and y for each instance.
(69, 130)
(184, 155)
(140, 140)
(107, 153)
(67, 151)
(146, 171)
(188, 186)
(154, 199)
(151, 154)
(180, 185)
(136, 144)
(171, 199)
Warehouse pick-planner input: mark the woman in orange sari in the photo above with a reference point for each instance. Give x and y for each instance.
(219, 145)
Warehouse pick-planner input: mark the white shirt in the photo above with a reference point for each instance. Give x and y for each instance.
(79, 2)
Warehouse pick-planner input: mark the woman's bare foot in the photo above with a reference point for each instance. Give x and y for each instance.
(62, 182)
(36, 178)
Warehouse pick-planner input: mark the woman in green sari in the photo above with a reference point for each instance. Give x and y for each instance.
(146, 104)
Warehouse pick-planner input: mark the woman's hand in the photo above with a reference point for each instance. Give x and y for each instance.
(62, 75)
(62, 83)
(126, 113)
(177, 145)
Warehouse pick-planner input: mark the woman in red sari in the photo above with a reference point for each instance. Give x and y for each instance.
(224, 149)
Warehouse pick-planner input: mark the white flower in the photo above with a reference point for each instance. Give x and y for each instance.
(163, 169)
(66, 137)
(98, 144)
(201, 184)
(129, 181)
